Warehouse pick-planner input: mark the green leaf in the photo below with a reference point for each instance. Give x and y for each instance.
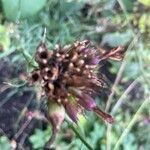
(128, 4)
(129, 142)
(4, 143)
(39, 138)
(144, 25)
(116, 39)
(4, 39)
(21, 8)
(97, 134)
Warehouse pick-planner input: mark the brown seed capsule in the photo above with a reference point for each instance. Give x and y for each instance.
(71, 66)
(59, 100)
(56, 115)
(80, 63)
(35, 76)
(51, 86)
(78, 69)
(58, 55)
(68, 77)
(74, 57)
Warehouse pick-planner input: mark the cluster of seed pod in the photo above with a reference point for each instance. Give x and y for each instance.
(68, 77)
(69, 73)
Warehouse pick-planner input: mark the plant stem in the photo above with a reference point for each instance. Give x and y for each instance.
(132, 122)
(79, 135)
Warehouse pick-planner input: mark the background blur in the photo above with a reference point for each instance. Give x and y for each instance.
(108, 24)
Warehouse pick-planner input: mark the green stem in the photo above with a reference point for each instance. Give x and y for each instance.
(79, 135)
(29, 61)
(15, 85)
(132, 122)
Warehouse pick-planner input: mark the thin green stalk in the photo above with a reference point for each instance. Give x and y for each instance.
(126, 14)
(132, 122)
(15, 85)
(29, 59)
(79, 135)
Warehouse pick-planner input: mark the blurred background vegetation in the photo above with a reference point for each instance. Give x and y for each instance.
(108, 24)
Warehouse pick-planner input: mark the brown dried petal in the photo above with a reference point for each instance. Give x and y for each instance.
(104, 115)
(114, 54)
(72, 111)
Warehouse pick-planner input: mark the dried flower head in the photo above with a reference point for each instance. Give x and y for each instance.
(68, 77)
